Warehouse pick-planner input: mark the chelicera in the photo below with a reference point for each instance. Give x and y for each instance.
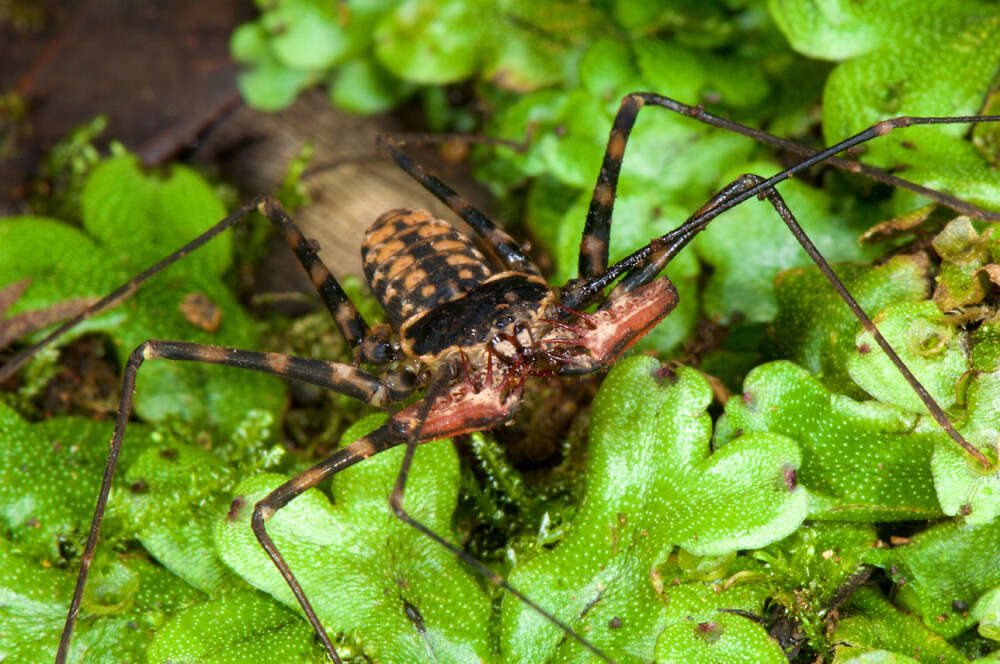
(469, 327)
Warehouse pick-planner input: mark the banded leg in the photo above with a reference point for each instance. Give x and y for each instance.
(877, 174)
(339, 377)
(594, 246)
(439, 382)
(505, 246)
(932, 406)
(584, 291)
(374, 348)
(345, 314)
(379, 440)
(375, 442)
(653, 264)
(668, 246)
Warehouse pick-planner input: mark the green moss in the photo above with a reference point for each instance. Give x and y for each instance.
(678, 517)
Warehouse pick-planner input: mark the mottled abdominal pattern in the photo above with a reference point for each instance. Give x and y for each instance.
(445, 297)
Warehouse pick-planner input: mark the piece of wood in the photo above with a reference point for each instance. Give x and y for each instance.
(349, 183)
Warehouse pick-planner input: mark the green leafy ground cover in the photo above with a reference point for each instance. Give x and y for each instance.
(820, 472)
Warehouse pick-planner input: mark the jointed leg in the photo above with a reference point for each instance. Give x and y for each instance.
(505, 246)
(345, 314)
(375, 442)
(335, 376)
(663, 249)
(339, 377)
(594, 246)
(653, 264)
(349, 320)
(824, 267)
(379, 440)
(583, 291)
(396, 501)
(438, 383)
(877, 174)
(129, 287)
(597, 230)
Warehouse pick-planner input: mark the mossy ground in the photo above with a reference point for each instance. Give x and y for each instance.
(663, 502)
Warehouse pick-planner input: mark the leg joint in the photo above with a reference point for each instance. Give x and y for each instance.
(144, 351)
(261, 513)
(398, 385)
(396, 504)
(268, 206)
(750, 179)
(379, 346)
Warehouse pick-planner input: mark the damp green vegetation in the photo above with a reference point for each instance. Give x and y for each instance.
(756, 483)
